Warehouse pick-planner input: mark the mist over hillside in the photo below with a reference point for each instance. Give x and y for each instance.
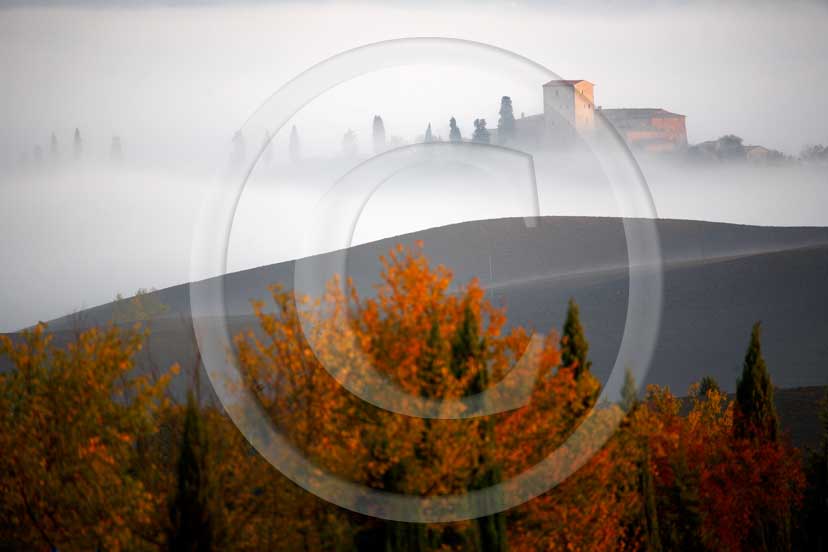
(718, 280)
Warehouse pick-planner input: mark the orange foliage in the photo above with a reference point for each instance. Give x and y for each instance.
(89, 448)
(70, 418)
(406, 332)
(739, 480)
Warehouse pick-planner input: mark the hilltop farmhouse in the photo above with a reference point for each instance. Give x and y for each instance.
(569, 109)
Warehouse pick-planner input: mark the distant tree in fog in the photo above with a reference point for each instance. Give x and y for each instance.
(77, 146)
(428, 136)
(267, 153)
(454, 132)
(379, 134)
(349, 144)
(506, 123)
(294, 146)
(116, 152)
(239, 148)
(54, 151)
(481, 133)
(815, 154)
(730, 147)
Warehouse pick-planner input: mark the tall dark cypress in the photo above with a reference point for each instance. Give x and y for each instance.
(629, 392)
(466, 347)
(454, 131)
(193, 520)
(77, 144)
(267, 146)
(756, 416)
(574, 346)
(506, 122)
(294, 147)
(378, 134)
(54, 150)
(401, 536)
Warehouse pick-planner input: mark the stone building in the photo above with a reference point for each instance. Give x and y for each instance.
(649, 129)
(569, 110)
(568, 107)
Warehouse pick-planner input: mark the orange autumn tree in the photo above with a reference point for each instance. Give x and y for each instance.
(711, 485)
(406, 332)
(671, 474)
(71, 417)
(431, 341)
(591, 508)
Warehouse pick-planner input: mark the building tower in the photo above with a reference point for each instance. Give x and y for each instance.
(568, 109)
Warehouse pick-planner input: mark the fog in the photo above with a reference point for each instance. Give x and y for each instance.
(174, 80)
(174, 84)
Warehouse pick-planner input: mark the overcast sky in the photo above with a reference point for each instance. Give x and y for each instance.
(171, 76)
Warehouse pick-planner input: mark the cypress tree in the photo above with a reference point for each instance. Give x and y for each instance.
(267, 154)
(454, 132)
(193, 521)
(54, 151)
(755, 418)
(574, 346)
(401, 536)
(506, 123)
(481, 133)
(428, 137)
(294, 147)
(77, 144)
(629, 392)
(378, 134)
(491, 530)
(468, 346)
(756, 414)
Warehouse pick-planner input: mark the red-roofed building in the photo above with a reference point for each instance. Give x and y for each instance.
(649, 129)
(569, 111)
